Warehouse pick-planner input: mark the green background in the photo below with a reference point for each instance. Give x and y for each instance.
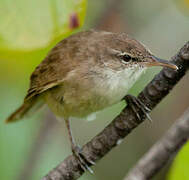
(29, 29)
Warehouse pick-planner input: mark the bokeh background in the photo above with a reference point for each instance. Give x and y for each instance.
(29, 29)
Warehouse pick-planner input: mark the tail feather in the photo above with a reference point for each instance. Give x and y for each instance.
(24, 110)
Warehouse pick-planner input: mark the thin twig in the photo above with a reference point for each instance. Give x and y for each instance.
(123, 124)
(162, 151)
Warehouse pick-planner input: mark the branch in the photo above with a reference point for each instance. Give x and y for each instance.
(124, 123)
(162, 151)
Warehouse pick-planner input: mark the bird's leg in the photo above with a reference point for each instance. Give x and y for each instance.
(76, 150)
(134, 102)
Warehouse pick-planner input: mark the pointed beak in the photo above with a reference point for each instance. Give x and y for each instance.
(155, 61)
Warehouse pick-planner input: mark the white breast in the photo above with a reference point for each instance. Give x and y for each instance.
(116, 84)
(108, 88)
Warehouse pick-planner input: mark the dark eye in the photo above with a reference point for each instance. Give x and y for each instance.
(126, 57)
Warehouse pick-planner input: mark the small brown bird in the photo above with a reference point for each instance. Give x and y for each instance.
(86, 73)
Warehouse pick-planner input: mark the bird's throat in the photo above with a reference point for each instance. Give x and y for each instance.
(116, 84)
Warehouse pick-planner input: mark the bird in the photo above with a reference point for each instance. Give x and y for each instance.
(85, 73)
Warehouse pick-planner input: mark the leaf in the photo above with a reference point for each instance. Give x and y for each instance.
(28, 29)
(31, 25)
(179, 169)
(183, 6)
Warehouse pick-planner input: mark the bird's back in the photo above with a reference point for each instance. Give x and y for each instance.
(56, 65)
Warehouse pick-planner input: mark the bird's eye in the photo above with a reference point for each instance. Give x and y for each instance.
(126, 57)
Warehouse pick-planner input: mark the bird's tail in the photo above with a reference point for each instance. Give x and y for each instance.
(25, 110)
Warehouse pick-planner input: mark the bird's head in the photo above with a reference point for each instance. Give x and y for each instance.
(127, 52)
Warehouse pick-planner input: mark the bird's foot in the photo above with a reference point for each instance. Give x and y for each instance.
(83, 162)
(134, 102)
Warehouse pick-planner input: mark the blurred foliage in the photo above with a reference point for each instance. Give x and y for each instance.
(30, 25)
(183, 6)
(180, 167)
(28, 29)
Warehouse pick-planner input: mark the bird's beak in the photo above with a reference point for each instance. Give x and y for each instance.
(155, 61)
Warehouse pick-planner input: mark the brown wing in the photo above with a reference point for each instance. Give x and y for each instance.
(54, 68)
(51, 71)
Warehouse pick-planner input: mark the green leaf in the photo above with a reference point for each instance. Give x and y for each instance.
(28, 29)
(37, 24)
(180, 167)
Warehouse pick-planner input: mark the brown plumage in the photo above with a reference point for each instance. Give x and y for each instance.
(85, 73)
(87, 54)
(89, 48)
(25, 109)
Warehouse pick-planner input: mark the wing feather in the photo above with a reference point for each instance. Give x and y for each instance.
(50, 72)
(54, 68)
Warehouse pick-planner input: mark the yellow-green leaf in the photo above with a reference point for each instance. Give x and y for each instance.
(183, 6)
(29, 25)
(28, 29)
(180, 167)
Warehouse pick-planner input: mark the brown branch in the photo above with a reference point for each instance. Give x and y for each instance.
(162, 151)
(124, 123)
